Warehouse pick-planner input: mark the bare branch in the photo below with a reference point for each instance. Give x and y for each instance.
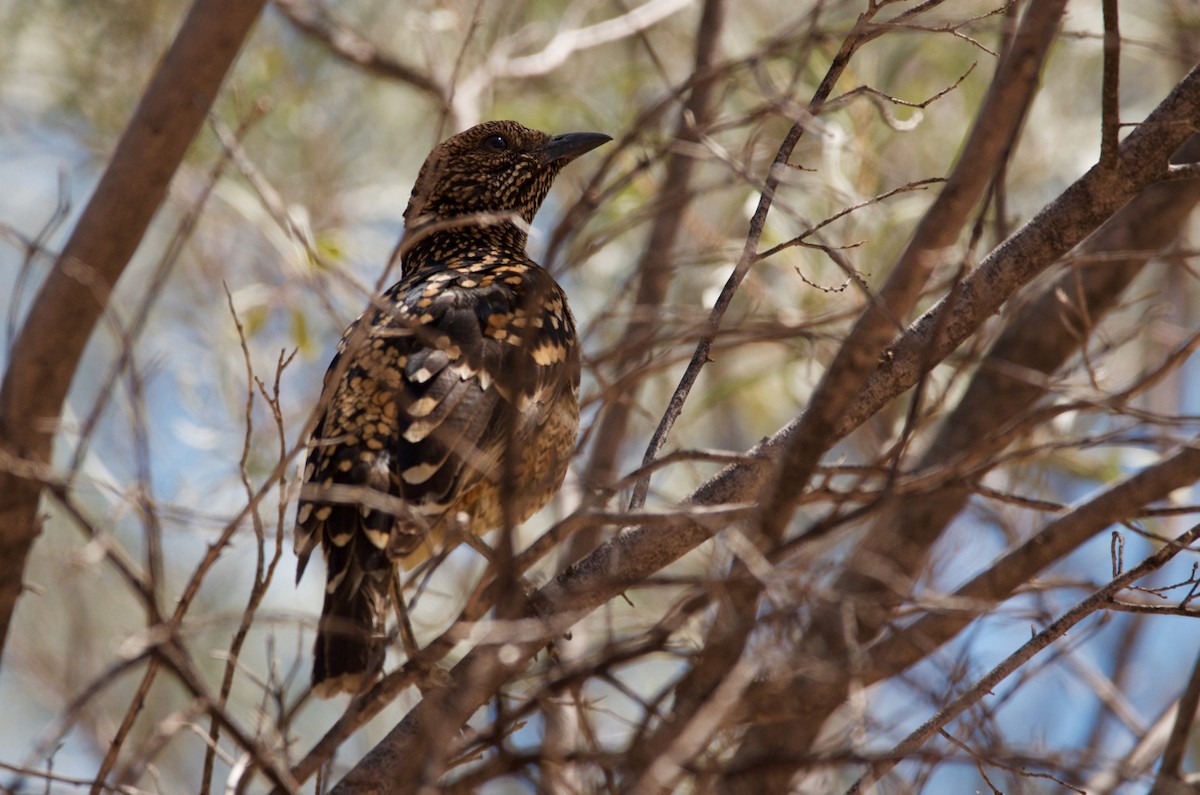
(567, 42)
(1169, 773)
(855, 39)
(47, 351)
(320, 23)
(1110, 92)
(998, 120)
(1041, 640)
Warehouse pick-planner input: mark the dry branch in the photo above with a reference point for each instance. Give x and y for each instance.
(411, 752)
(75, 295)
(877, 576)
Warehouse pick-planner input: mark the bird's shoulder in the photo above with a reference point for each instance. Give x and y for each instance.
(490, 284)
(503, 318)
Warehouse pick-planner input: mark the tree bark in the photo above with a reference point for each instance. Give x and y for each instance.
(73, 298)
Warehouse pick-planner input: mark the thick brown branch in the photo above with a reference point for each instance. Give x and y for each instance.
(75, 294)
(999, 119)
(1036, 340)
(1110, 103)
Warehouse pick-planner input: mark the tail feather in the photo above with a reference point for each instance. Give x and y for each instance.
(351, 641)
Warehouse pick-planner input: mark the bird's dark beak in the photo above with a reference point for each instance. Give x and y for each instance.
(568, 146)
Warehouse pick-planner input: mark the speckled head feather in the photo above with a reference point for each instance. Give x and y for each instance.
(494, 167)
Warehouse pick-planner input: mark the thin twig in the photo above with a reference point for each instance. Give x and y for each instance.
(857, 37)
(984, 686)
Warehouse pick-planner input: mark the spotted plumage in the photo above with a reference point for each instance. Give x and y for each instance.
(463, 375)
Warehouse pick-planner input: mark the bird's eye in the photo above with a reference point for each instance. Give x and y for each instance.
(496, 143)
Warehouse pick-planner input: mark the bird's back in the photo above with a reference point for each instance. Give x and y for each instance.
(462, 362)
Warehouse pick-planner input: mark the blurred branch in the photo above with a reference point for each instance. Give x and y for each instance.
(656, 265)
(557, 51)
(76, 292)
(1110, 93)
(176, 659)
(1141, 758)
(460, 99)
(319, 23)
(49, 777)
(1170, 779)
(878, 574)
(156, 742)
(1003, 109)
(268, 197)
(1095, 601)
(691, 740)
(52, 736)
(33, 248)
(568, 42)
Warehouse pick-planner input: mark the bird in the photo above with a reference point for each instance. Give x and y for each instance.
(452, 403)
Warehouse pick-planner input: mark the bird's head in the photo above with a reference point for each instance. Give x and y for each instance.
(498, 167)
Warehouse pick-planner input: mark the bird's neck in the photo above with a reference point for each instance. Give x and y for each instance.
(431, 245)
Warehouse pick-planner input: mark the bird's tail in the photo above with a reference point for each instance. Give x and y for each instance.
(351, 642)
